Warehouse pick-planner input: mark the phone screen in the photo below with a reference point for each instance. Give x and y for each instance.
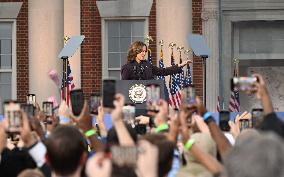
(153, 92)
(128, 113)
(188, 95)
(224, 117)
(77, 101)
(257, 115)
(108, 93)
(244, 124)
(94, 103)
(14, 116)
(29, 109)
(31, 99)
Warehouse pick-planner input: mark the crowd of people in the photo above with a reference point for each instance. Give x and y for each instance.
(184, 143)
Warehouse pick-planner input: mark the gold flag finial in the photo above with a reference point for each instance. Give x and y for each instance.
(148, 39)
(66, 38)
(180, 49)
(161, 43)
(236, 61)
(187, 52)
(172, 45)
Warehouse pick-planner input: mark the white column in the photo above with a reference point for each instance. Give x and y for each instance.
(210, 31)
(46, 26)
(72, 26)
(174, 23)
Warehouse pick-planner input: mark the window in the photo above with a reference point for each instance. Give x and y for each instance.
(6, 64)
(259, 46)
(119, 34)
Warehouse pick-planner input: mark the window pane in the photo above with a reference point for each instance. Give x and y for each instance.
(115, 74)
(5, 87)
(261, 37)
(6, 30)
(5, 78)
(125, 29)
(6, 47)
(5, 61)
(113, 44)
(113, 60)
(137, 39)
(113, 28)
(138, 28)
(125, 43)
(123, 57)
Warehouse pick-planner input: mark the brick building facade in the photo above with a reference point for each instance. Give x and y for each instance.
(91, 56)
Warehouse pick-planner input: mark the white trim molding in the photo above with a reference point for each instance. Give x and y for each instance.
(125, 8)
(10, 9)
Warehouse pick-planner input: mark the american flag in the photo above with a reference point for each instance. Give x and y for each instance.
(150, 56)
(234, 101)
(161, 65)
(67, 84)
(188, 79)
(175, 91)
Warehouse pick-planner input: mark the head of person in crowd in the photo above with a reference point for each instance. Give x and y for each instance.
(166, 152)
(193, 168)
(123, 171)
(31, 173)
(66, 150)
(246, 135)
(112, 138)
(262, 156)
(137, 51)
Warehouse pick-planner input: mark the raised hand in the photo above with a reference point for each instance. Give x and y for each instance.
(98, 166)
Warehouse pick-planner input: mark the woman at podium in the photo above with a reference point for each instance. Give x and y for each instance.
(137, 68)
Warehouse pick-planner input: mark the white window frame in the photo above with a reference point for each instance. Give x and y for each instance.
(14, 58)
(251, 56)
(105, 39)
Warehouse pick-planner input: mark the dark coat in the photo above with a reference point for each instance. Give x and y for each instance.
(146, 71)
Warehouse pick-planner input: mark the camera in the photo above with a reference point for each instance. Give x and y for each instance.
(77, 101)
(153, 97)
(29, 109)
(94, 103)
(243, 83)
(188, 95)
(256, 116)
(109, 91)
(224, 117)
(128, 113)
(244, 124)
(13, 114)
(31, 99)
(47, 108)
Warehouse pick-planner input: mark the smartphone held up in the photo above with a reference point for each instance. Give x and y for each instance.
(12, 111)
(77, 101)
(243, 83)
(109, 90)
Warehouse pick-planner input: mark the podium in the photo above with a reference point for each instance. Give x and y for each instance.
(128, 87)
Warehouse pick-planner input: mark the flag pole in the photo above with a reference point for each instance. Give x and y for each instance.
(180, 49)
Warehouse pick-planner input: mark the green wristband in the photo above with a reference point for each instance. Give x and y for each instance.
(90, 133)
(189, 144)
(162, 127)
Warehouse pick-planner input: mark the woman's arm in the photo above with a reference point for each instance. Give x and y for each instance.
(166, 71)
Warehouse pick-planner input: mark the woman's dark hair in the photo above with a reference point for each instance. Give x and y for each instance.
(134, 49)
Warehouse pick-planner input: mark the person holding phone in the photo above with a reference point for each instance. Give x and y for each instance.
(138, 68)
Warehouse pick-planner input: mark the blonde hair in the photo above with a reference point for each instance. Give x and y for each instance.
(134, 49)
